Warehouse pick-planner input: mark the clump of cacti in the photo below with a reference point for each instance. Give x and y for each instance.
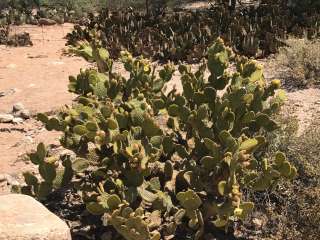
(55, 173)
(148, 178)
(185, 35)
(4, 34)
(20, 12)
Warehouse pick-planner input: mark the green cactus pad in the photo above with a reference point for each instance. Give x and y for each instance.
(189, 200)
(30, 179)
(45, 188)
(112, 124)
(91, 126)
(42, 117)
(173, 110)
(47, 171)
(80, 130)
(95, 208)
(80, 165)
(222, 188)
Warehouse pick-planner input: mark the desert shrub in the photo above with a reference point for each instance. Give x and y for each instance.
(156, 165)
(292, 208)
(4, 34)
(302, 58)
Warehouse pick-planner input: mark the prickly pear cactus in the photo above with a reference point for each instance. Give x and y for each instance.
(151, 162)
(130, 224)
(55, 173)
(225, 130)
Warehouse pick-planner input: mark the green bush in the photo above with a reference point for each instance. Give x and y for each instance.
(156, 165)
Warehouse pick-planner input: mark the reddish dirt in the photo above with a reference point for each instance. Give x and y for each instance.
(37, 77)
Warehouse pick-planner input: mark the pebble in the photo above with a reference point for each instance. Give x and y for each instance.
(25, 113)
(6, 118)
(29, 139)
(11, 180)
(9, 92)
(18, 107)
(17, 120)
(3, 177)
(257, 222)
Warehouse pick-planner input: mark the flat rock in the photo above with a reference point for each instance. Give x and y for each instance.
(6, 118)
(24, 218)
(17, 120)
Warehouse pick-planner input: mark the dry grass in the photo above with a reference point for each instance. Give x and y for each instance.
(302, 58)
(292, 210)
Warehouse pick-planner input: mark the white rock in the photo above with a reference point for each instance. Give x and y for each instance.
(17, 120)
(18, 107)
(23, 218)
(25, 114)
(29, 139)
(257, 222)
(3, 177)
(6, 118)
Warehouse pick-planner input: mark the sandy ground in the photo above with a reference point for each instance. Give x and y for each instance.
(303, 104)
(37, 77)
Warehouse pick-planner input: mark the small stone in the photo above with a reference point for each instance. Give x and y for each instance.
(24, 218)
(318, 102)
(3, 178)
(11, 180)
(17, 120)
(18, 107)
(257, 222)
(67, 153)
(25, 114)
(297, 104)
(9, 92)
(29, 139)
(6, 118)
(46, 22)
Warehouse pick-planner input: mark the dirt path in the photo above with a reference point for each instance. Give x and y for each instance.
(37, 77)
(303, 104)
